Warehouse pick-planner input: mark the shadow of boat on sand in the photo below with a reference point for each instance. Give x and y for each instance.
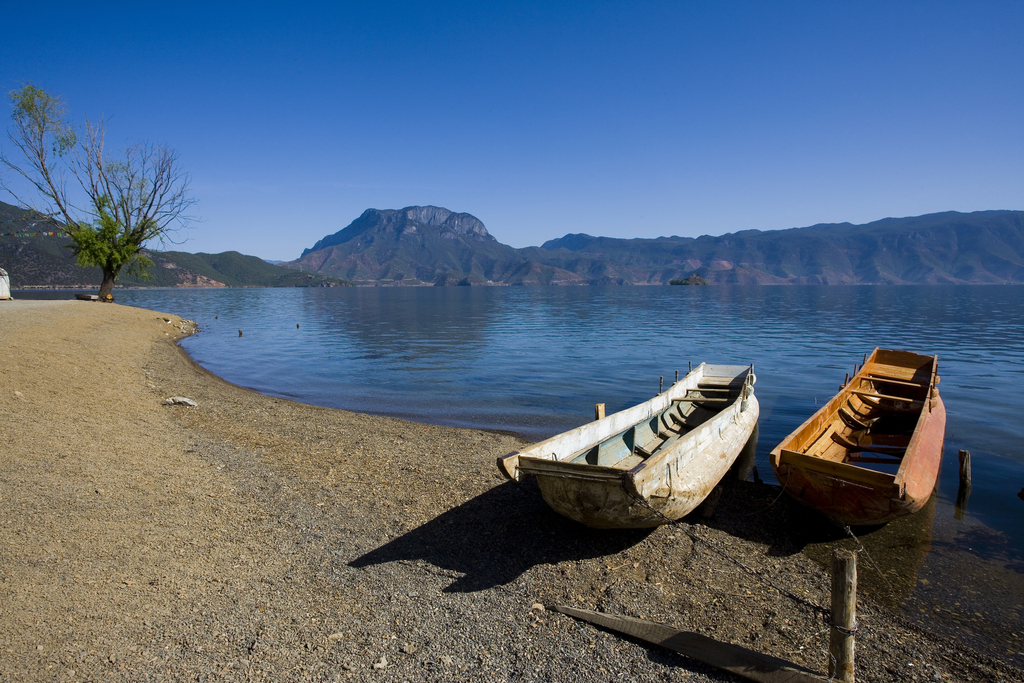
(495, 537)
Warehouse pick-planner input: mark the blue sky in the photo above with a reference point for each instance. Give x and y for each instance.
(624, 119)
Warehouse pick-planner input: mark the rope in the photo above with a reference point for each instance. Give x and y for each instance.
(847, 631)
(756, 574)
(848, 530)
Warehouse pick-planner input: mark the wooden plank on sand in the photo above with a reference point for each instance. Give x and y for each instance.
(735, 659)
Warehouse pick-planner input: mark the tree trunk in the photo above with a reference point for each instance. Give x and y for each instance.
(109, 277)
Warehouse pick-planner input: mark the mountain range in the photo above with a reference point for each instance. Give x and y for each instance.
(429, 245)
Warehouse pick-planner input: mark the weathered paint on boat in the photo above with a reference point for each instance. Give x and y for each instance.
(649, 464)
(889, 409)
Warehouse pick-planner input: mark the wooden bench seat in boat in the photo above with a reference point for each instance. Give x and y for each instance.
(609, 452)
(851, 421)
(899, 372)
(884, 397)
(821, 443)
(859, 457)
(631, 447)
(875, 443)
(890, 380)
(629, 462)
(841, 470)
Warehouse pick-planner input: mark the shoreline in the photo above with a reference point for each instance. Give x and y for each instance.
(255, 538)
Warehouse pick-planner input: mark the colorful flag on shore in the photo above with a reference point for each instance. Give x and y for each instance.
(55, 233)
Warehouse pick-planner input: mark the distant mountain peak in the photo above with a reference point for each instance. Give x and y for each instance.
(408, 221)
(574, 241)
(441, 217)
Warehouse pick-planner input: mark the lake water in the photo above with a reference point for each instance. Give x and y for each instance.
(535, 360)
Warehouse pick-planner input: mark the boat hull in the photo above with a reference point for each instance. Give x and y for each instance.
(855, 496)
(660, 488)
(675, 487)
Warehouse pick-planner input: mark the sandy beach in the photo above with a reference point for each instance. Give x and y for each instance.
(251, 538)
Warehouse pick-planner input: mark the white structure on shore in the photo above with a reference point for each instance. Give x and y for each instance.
(5, 285)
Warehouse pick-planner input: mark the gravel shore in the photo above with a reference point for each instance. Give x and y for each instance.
(252, 538)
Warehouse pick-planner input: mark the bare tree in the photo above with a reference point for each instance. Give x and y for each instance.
(123, 203)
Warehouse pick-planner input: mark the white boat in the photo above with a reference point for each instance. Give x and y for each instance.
(650, 464)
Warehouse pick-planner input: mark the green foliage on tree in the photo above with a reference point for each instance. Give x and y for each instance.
(129, 201)
(104, 244)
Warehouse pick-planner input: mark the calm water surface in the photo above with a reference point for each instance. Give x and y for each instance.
(534, 360)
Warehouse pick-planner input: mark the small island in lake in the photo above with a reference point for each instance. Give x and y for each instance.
(694, 279)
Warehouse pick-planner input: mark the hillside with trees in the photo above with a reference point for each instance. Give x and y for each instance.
(46, 260)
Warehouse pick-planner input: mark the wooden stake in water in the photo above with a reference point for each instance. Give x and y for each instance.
(844, 616)
(964, 492)
(661, 383)
(598, 411)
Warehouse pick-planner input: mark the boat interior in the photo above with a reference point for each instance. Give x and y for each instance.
(873, 419)
(629, 448)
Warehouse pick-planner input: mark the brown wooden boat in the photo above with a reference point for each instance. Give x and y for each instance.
(873, 452)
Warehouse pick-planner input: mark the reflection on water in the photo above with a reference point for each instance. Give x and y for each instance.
(890, 556)
(971, 587)
(536, 359)
(743, 468)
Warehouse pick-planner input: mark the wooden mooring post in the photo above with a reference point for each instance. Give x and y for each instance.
(964, 491)
(844, 616)
(598, 411)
